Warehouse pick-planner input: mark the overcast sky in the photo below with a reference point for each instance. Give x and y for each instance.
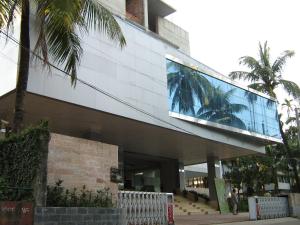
(221, 31)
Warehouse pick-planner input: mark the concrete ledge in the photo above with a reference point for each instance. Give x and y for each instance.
(78, 216)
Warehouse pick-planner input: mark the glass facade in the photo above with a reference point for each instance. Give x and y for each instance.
(198, 95)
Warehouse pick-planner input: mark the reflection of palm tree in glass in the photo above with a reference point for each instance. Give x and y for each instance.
(186, 86)
(252, 98)
(219, 109)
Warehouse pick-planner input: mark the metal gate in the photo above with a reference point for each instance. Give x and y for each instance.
(146, 208)
(268, 207)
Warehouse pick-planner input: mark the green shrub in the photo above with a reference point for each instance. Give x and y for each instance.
(20, 157)
(58, 196)
(242, 206)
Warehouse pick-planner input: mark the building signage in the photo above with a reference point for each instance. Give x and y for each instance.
(170, 214)
(12, 213)
(221, 194)
(115, 175)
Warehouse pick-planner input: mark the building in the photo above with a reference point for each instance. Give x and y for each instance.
(134, 120)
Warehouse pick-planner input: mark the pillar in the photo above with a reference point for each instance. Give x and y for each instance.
(211, 179)
(169, 175)
(146, 14)
(181, 176)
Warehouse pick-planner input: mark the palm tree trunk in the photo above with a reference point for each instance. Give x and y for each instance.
(23, 68)
(275, 177)
(292, 162)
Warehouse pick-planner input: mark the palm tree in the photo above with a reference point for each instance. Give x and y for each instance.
(58, 23)
(266, 77)
(288, 105)
(186, 86)
(219, 109)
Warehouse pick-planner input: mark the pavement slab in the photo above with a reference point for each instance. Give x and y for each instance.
(210, 219)
(279, 221)
(226, 219)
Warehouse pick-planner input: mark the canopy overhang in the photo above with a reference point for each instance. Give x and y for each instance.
(132, 135)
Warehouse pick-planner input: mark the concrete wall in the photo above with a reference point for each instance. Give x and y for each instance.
(77, 216)
(116, 6)
(137, 74)
(294, 204)
(174, 34)
(81, 162)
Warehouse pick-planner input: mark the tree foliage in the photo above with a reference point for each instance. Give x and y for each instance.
(266, 76)
(20, 157)
(60, 25)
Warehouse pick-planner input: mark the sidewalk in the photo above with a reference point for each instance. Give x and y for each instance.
(210, 219)
(280, 221)
(227, 219)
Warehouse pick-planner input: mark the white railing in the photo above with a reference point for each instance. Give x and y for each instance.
(268, 207)
(146, 208)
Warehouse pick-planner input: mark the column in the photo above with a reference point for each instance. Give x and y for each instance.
(211, 179)
(146, 14)
(181, 176)
(169, 175)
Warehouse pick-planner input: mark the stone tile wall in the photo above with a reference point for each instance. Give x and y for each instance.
(81, 162)
(77, 216)
(174, 34)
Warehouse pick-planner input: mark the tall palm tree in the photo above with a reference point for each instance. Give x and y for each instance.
(266, 77)
(219, 109)
(59, 24)
(288, 105)
(186, 87)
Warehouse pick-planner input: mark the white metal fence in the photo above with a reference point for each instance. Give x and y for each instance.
(268, 207)
(146, 208)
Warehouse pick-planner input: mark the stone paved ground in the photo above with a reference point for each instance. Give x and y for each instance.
(210, 219)
(240, 219)
(281, 221)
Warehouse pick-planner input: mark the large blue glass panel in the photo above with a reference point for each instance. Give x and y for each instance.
(199, 95)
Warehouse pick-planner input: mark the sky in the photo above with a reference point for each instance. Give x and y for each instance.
(8, 62)
(221, 31)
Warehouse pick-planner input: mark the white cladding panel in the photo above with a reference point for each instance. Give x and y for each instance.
(137, 74)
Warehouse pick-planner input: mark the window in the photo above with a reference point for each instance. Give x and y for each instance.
(198, 95)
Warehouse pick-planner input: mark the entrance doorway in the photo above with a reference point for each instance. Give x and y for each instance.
(149, 173)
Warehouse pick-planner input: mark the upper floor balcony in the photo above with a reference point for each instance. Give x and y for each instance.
(150, 15)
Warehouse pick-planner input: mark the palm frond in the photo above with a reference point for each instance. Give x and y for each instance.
(264, 53)
(281, 61)
(291, 88)
(97, 16)
(59, 23)
(290, 120)
(250, 62)
(257, 86)
(59, 20)
(8, 9)
(238, 75)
